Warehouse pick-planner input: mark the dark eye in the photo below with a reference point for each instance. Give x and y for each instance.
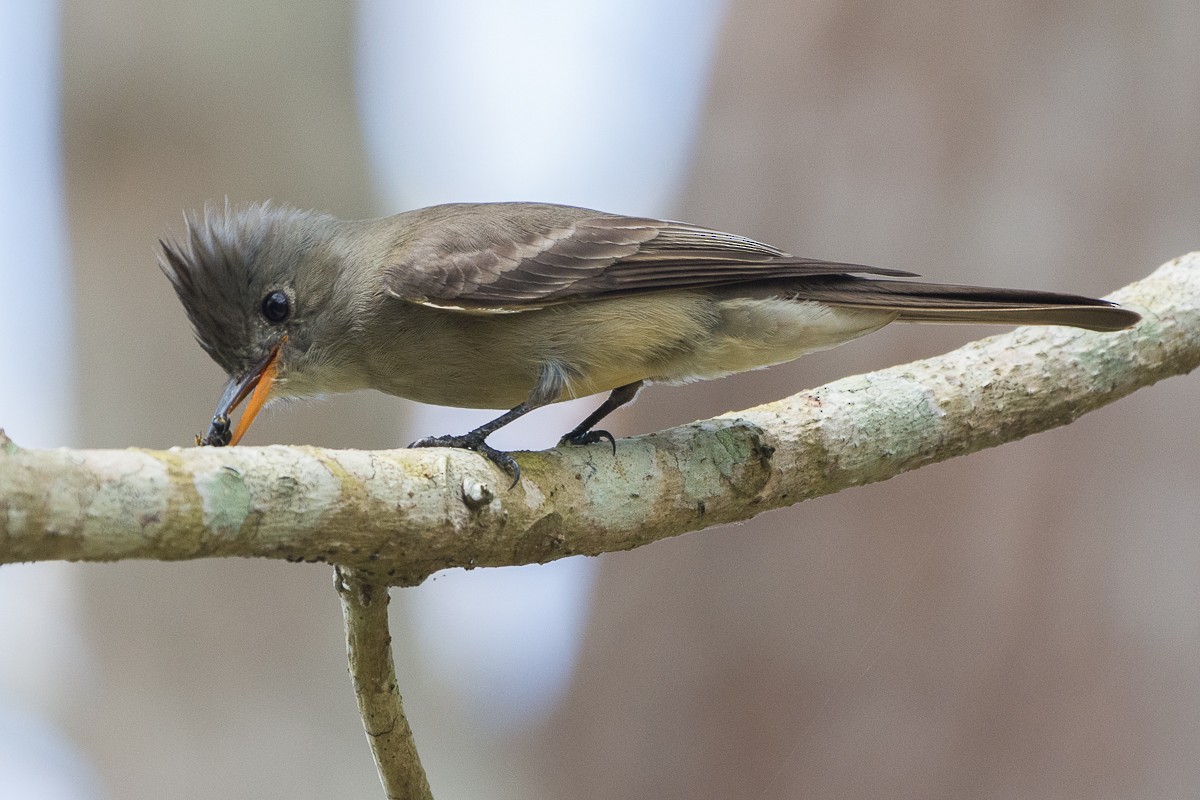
(275, 307)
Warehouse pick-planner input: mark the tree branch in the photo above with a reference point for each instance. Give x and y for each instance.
(400, 515)
(373, 673)
(395, 517)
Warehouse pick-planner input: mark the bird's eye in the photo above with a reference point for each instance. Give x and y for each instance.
(276, 307)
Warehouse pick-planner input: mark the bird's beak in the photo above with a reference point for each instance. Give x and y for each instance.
(257, 384)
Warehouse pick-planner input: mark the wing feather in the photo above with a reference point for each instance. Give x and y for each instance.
(505, 257)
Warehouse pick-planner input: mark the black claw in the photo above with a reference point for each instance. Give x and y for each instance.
(589, 437)
(476, 443)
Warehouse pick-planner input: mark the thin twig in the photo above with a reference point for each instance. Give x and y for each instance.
(373, 673)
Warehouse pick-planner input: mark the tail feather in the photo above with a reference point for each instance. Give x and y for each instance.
(934, 302)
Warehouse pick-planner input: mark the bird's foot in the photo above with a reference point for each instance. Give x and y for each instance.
(471, 441)
(589, 437)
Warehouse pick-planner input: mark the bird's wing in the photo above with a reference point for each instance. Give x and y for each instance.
(505, 257)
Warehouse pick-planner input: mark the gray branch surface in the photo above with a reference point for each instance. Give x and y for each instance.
(400, 515)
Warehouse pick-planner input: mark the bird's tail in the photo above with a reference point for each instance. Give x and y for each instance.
(935, 302)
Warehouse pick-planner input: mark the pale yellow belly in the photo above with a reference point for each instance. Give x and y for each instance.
(495, 360)
(757, 333)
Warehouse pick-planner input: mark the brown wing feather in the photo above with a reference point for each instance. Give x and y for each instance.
(517, 256)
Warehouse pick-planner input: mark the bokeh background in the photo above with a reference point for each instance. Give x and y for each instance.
(1018, 623)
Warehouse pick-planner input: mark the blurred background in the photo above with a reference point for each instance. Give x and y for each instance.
(1017, 623)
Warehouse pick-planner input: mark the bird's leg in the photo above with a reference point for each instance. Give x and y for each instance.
(551, 379)
(583, 433)
(476, 440)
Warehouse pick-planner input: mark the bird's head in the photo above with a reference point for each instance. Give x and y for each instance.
(255, 282)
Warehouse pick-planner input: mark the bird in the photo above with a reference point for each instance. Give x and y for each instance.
(518, 305)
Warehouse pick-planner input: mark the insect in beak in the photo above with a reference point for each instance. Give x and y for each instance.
(257, 385)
